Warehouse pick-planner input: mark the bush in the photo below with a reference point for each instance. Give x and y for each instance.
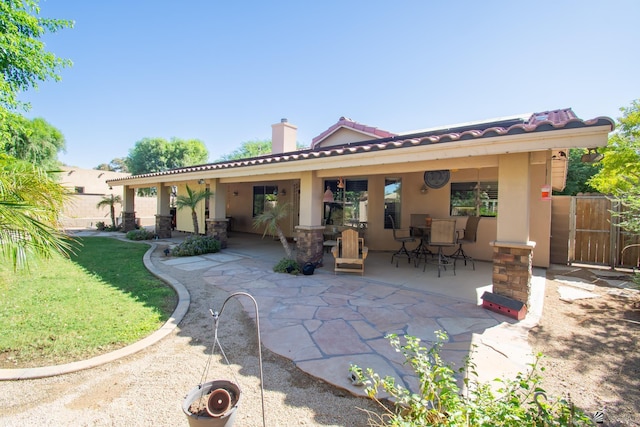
(140, 234)
(287, 265)
(518, 402)
(196, 245)
(100, 225)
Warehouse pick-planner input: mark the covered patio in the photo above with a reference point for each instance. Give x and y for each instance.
(502, 170)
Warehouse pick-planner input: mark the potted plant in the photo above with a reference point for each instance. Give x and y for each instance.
(212, 404)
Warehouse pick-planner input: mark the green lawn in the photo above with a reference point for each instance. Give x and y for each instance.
(63, 310)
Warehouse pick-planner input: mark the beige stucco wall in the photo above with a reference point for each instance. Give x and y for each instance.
(80, 209)
(344, 136)
(184, 220)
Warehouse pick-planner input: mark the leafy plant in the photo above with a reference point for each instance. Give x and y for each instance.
(287, 265)
(270, 219)
(191, 201)
(111, 200)
(140, 234)
(440, 402)
(196, 245)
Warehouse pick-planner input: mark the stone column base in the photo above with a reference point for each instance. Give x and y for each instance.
(217, 228)
(163, 226)
(309, 245)
(128, 221)
(512, 270)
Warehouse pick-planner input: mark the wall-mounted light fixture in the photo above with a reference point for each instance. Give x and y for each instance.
(592, 156)
(283, 192)
(235, 193)
(201, 181)
(340, 183)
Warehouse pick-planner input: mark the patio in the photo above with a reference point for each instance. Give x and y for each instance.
(324, 322)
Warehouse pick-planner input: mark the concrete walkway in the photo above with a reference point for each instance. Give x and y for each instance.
(325, 322)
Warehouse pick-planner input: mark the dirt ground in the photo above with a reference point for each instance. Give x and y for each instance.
(591, 346)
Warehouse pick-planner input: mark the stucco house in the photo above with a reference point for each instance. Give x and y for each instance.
(357, 175)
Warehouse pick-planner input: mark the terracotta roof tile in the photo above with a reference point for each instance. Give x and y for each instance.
(537, 122)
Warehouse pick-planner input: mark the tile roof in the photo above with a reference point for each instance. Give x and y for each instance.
(537, 122)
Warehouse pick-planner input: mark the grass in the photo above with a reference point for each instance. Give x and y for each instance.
(63, 310)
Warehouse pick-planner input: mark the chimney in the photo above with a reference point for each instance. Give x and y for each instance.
(284, 137)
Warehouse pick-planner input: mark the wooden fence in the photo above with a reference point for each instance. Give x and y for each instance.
(586, 228)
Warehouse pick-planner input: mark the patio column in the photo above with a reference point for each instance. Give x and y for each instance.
(163, 214)
(512, 249)
(309, 231)
(128, 209)
(217, 222)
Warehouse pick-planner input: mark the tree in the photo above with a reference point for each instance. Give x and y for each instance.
(34, 141)
(111, 201)
(270, 219)
(191, 200)
(151, 155)
(116, 165)
(30, 199)
(620, 173)
(249, 149)
(24, 62)
(30, 202)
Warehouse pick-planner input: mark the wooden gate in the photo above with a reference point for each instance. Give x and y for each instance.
(593, 236)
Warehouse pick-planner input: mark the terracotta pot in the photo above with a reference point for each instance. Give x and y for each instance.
(221, 405)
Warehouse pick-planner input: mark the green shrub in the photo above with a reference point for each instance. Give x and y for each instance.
(196, 245)
(287, 265)
(100, 225)
(140, 234)
(440, 402)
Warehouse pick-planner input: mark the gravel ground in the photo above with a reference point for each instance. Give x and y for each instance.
(148, 388)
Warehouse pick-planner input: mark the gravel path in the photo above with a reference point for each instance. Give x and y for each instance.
(148, 388)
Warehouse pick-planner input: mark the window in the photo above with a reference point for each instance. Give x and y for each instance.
(350, 203)
(392, 201)
(262, 196)
(474, 199)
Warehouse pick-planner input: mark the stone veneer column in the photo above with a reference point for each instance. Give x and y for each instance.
(163, 226)
(217, 228)
(512, 270)
(309, 245)
(128, 221)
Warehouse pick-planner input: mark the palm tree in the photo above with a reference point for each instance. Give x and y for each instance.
(270, 218)
(191, 200)
(110, 201)
(30, 203)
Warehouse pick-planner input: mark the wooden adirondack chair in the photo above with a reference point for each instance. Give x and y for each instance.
(350, 253)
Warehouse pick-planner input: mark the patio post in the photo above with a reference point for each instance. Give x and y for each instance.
(217, 222)
(309, 231)
(128, 209)
(512, 249)
(163, 215)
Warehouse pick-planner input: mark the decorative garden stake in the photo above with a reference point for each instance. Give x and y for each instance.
(215, 403)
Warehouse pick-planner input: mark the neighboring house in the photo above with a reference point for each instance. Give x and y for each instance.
(501, 169)
(88, 187)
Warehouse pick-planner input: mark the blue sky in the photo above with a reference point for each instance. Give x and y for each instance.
(224, 72)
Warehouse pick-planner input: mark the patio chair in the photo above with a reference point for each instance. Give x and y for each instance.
(349, 253)
(469, 236)
(443, 235)
(402, 236)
